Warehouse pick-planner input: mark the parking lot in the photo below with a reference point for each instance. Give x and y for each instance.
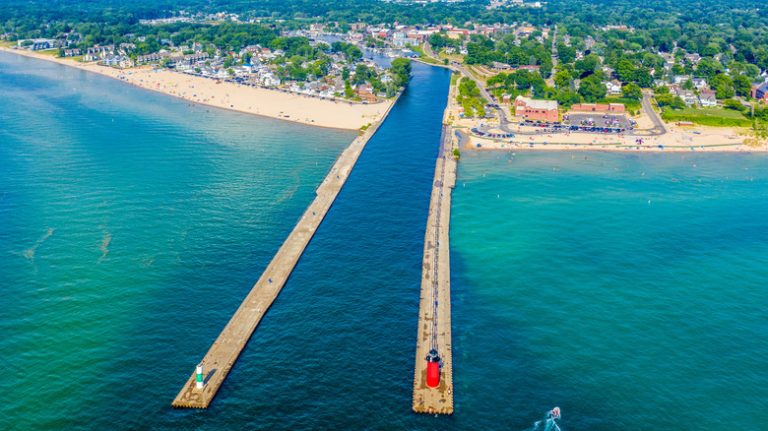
(598, 120)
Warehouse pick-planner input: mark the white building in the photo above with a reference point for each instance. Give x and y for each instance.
(613, 87)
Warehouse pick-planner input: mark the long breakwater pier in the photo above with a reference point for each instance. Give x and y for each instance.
(433, 375)
(204, 383)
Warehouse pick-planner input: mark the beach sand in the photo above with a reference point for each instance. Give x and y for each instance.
(260, 101)
(710, 139)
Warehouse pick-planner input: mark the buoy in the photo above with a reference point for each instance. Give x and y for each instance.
(433, 369)
(199, 376)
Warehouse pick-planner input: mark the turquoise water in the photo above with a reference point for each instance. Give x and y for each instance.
(626, 289)
(131, 224)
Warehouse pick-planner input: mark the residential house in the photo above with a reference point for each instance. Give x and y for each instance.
(707, 98)
(148, 58)
(688, 96)
(365, 92)
(693, 58)
(35, 44)
(613, 87)
(113, 60)
(500, 66)
(700, 83)
(760, 92)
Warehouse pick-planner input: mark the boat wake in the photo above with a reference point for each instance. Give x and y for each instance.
(549, 423)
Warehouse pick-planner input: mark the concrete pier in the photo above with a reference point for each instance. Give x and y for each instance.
(434, 330)
(225, 350)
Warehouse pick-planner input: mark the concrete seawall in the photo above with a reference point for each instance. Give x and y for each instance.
(225, 350)
(434, 328)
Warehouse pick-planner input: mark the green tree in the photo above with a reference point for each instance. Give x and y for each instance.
(723, 86)
(587, 65)
(401, 69)
(563, 79)
(643, 77)
(631, 91)
(567, 97)
(592, 89)
(348, 91)
(708, 68)
(625, 71)
(565, 53)
(734, 104)
(742, 85)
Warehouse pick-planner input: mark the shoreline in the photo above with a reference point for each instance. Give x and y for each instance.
(518, 146)
(697, 139)
(263, 102)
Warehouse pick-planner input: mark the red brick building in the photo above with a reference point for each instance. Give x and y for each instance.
(536, 110)
(612, 108)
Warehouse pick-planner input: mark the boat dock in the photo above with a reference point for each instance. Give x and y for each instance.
(225, 350)
(433, 375)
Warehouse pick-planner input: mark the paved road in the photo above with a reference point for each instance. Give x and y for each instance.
(658, 124)
(551, 80)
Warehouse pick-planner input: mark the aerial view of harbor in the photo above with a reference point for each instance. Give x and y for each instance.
(383, 214)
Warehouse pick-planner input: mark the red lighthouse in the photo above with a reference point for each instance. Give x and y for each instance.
(433, 369)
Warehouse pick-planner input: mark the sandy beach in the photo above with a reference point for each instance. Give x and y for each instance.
(260, 101)
(677, 139)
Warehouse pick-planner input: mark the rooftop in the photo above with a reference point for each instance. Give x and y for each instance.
(538, 104)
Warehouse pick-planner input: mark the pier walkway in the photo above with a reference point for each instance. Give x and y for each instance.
(434, 330)
(225, 350)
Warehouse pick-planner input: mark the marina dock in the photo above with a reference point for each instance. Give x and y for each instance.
(431, 395)
(225, 350)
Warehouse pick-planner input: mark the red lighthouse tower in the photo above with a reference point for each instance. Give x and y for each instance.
(433, 369)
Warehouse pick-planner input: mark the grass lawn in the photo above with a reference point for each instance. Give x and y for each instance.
(475, 73)
(718, 117)
(418, 50)
(49, 52)
(6, 43)
(430, 60)
(454, 78)
(451, 57)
